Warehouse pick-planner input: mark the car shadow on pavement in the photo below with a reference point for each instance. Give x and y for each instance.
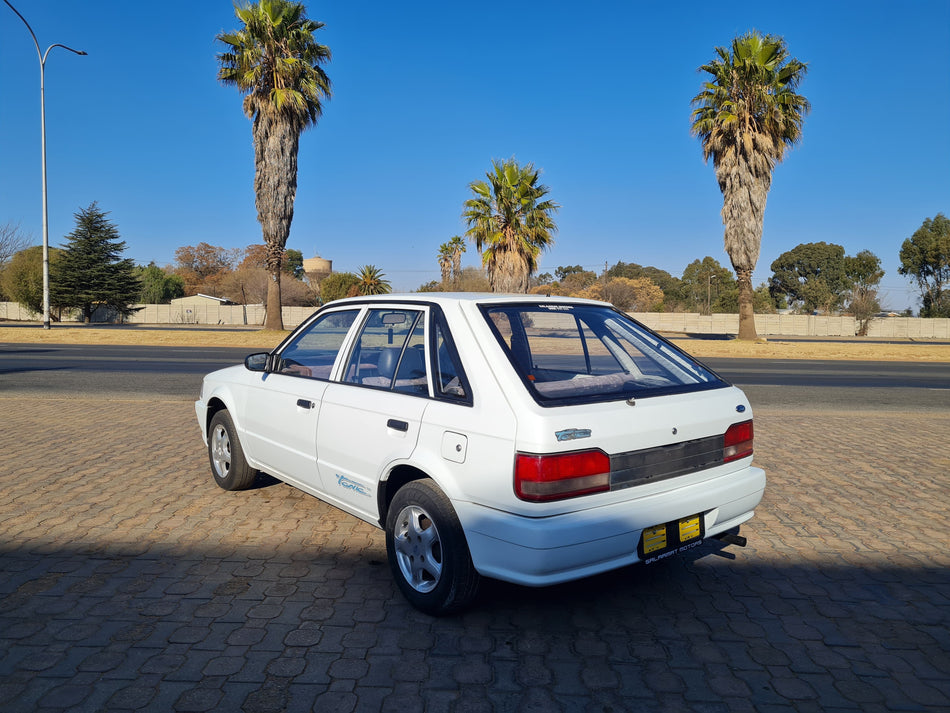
(263, 480)
(92, 627)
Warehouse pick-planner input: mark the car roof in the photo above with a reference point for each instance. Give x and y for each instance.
(453, 298)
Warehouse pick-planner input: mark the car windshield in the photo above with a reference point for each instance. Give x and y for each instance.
(581, 353)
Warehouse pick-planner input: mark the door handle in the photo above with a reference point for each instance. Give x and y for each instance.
(304, 403)
(397, 425)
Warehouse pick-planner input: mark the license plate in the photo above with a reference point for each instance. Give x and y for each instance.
(665, 540)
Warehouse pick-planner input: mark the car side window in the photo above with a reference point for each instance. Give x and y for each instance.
(389, 352)
(314, 350)
(411, 375)
(511, 329)
(448, 381)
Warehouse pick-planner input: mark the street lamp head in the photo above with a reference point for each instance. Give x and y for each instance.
(65, 47)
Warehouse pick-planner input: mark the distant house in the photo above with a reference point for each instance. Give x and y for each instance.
(201, 300)
(200, 309)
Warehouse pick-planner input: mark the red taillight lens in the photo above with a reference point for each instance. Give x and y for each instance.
(540, 478)
(737, 442)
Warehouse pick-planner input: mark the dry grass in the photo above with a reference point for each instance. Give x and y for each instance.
(146, 336)
(259, 339)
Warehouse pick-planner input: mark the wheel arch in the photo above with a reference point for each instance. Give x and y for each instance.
(215, 405)
(398, 477)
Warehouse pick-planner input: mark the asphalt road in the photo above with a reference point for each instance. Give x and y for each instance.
(175, 373)
(828, 385)
(114, 371)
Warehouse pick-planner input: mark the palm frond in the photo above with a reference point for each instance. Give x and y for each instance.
(510, 220)
(276, 58)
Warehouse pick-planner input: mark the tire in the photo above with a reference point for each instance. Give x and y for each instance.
(228, 466)
(428, 554)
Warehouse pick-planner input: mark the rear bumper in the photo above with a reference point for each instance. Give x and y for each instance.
(543, 551)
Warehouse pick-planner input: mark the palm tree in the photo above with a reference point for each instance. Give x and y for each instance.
(511, 222)
(445, 263)
(456, 247)
(746, 117)
(372, 282)
(274, 61)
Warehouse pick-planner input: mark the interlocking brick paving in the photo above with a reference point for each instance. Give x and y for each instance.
(129, 581)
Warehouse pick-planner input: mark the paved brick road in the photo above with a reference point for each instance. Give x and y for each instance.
(128, 581)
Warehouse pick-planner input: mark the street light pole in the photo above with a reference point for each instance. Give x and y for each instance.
(709, 278)
(42, 58)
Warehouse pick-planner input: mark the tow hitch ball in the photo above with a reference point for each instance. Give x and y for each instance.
(731, 538)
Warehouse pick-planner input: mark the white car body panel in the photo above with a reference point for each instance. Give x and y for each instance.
(281, 426)
(360, 440)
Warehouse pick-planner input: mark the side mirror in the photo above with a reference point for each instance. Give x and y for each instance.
(257, 362)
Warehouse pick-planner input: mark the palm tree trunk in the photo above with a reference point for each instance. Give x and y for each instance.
(276, 142)
(507, 273)
(273, 313)
(745, 189)
(746, 313)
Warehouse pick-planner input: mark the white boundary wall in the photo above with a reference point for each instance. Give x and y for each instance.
(796, 325)
(213, 314)
(679, 322)
(251, 315)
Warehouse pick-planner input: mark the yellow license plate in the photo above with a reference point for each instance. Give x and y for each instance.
(654, 539)
(663, 540)
(690, 529)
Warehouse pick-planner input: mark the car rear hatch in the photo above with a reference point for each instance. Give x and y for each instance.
(613, 406)
(645, 442)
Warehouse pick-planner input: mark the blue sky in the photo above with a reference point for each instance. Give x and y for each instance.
(426, 94)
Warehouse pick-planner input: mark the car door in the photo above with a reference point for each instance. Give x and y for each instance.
(284, 406)
(372, 416)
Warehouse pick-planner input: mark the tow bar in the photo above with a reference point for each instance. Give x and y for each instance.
(731, 538)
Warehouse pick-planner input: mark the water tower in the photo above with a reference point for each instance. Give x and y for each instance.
(317, 269)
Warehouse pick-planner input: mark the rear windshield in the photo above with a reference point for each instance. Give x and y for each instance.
(584, 353)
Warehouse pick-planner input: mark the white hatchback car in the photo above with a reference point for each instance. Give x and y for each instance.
(530, 439)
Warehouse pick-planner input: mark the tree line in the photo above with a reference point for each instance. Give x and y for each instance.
(242, 276)
(799, 285)
(88, 271)
(810, 278)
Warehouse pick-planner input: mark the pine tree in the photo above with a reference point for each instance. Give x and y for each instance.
(90, 271)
